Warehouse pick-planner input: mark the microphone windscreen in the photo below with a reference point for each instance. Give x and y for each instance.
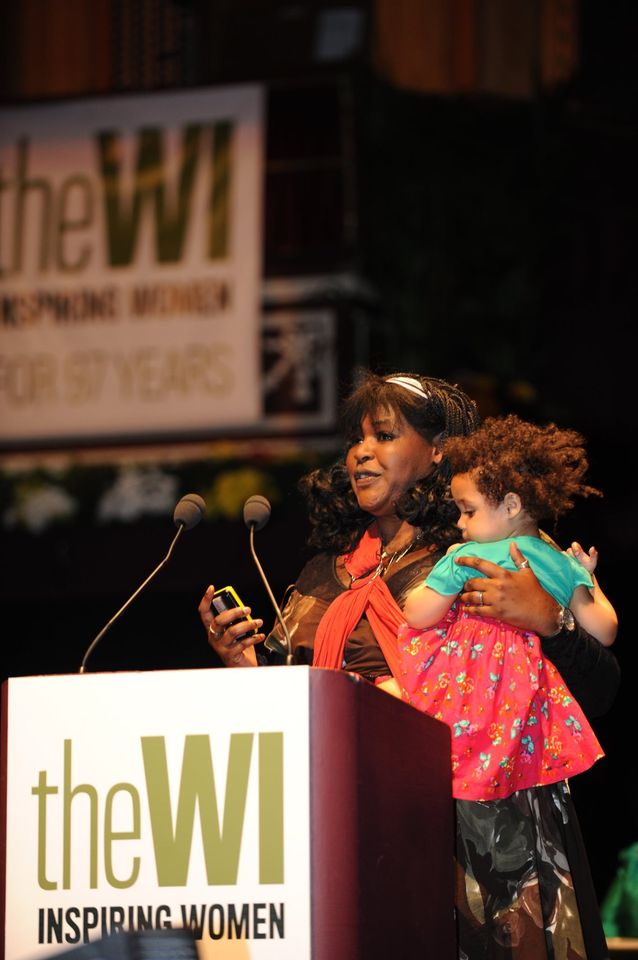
(189, 511)
(256, 512)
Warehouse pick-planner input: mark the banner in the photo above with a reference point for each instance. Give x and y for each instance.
(155, 801)
(130, 265)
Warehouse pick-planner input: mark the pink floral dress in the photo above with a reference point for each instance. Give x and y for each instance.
(514, 722)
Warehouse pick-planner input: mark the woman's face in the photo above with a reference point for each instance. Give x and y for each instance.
(385, 460)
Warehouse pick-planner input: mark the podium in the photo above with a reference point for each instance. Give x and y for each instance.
(288, 812)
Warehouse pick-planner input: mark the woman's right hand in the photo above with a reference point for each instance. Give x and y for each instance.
(224, 629)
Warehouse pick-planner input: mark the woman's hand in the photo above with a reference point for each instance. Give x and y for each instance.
(516, 597)
(223, 631)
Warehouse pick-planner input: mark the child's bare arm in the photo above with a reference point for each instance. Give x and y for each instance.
(595, 613)
(424, 607)
(591, 608)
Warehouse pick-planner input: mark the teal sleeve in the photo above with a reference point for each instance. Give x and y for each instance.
(446, 577)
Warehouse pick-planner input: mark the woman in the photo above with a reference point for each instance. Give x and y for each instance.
(381, 517)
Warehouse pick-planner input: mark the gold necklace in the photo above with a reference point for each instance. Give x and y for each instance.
(386, 560)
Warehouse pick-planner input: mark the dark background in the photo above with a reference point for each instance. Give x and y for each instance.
(495, 238)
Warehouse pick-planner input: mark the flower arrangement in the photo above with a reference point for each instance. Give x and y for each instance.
(132, 488)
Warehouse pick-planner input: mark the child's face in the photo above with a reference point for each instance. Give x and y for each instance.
(480, 519)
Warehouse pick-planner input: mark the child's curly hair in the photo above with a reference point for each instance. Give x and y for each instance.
(545, 466)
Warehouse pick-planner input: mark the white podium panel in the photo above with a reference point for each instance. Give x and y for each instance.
(160, 799)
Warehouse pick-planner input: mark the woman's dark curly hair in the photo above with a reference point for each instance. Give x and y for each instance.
(336, 519)
(545, 466)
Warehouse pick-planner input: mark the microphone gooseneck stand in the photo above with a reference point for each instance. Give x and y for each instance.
(257, 512)
(129, 601)
(188, 512)
(288, 650)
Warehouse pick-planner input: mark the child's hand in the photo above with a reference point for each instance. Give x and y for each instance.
(586, 560)
(391, 686)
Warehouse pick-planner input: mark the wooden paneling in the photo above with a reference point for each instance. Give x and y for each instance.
(58, 48)
(507, 48)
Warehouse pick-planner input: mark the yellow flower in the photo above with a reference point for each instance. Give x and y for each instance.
(230, 490)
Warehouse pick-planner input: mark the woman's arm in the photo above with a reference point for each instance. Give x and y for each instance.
(589, 669)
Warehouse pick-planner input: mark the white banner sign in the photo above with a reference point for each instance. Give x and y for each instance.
(130, 265)
(159, 800)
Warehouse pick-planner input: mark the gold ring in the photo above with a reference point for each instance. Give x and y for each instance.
(214, 633)
(480, 593)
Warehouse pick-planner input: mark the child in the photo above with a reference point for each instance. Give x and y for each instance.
(514, 722)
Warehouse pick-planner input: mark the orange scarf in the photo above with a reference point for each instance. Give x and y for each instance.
(369, 596)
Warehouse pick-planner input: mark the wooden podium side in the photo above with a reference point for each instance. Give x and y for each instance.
(382, 826)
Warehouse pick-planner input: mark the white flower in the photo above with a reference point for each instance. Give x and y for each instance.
(138, 491)
(38, 506)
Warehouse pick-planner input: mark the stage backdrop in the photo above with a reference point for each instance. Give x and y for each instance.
(130, 265)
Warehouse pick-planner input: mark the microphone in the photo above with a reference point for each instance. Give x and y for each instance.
(256, 515)
(188, 512)
(256, 512)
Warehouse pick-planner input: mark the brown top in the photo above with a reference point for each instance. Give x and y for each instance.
(324, 578)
